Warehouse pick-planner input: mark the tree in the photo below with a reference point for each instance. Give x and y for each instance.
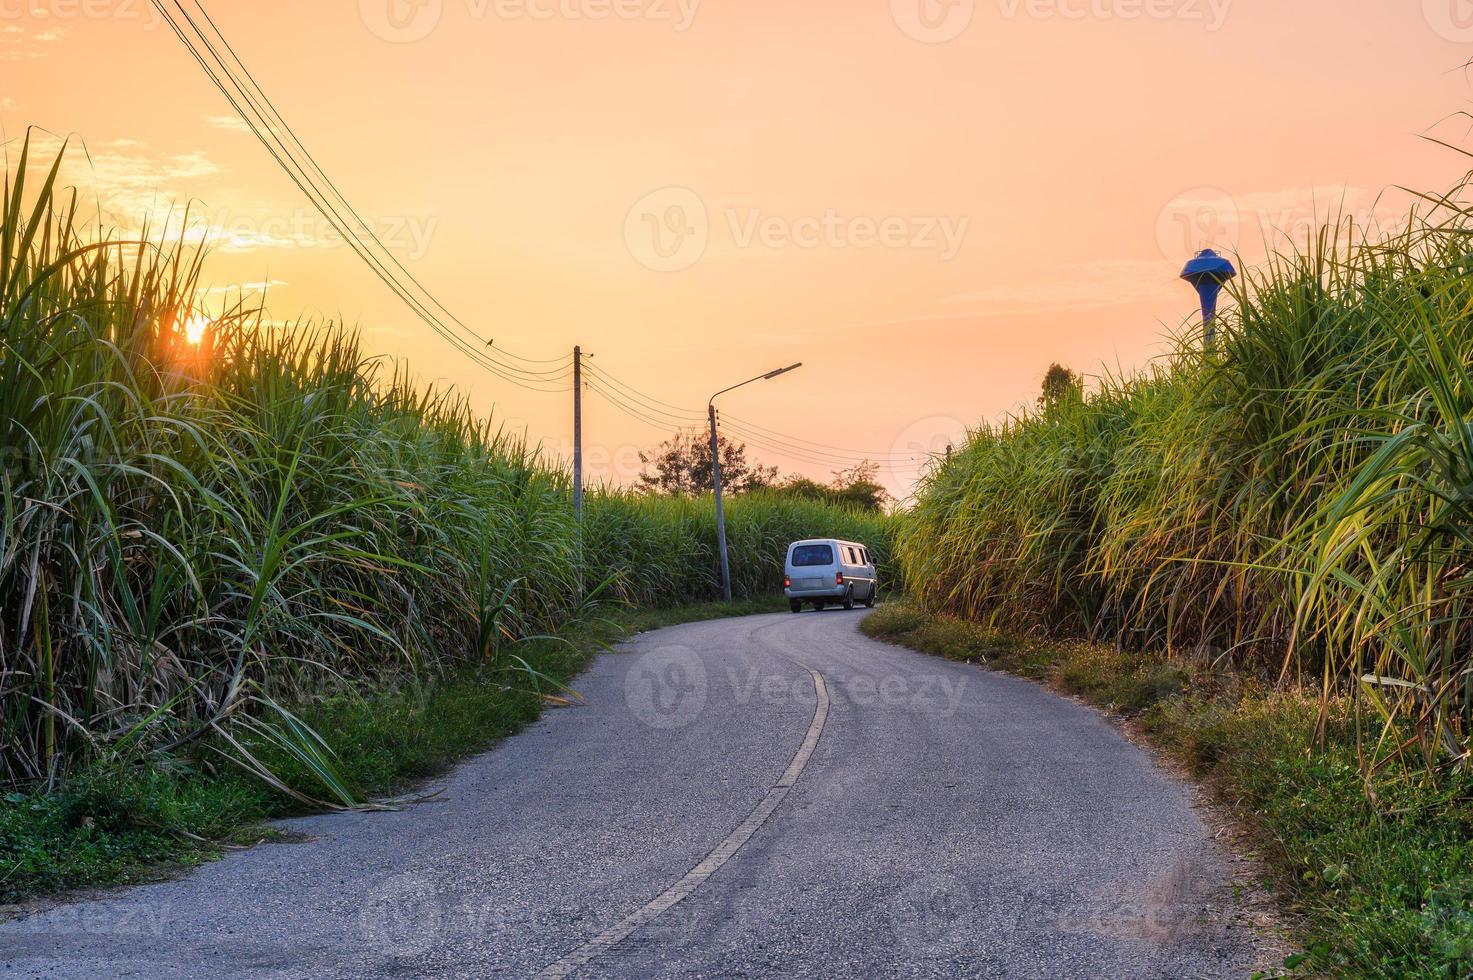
(856, 487)
(860, 487)
(1059, 383)
(681, 466)
(805, 488)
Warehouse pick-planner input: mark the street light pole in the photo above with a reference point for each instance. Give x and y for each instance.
(716, 473)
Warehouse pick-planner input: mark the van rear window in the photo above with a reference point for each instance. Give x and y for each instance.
(813, 554)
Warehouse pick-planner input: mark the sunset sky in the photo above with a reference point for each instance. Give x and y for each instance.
(925, 202)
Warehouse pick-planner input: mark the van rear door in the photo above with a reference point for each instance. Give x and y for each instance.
(812, 566)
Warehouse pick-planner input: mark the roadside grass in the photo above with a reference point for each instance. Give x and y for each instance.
(124, 823)
(1380, 875)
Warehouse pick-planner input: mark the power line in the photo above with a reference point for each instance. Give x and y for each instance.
(817, 457)
(870, 454)
(285, 127)
(799, 453)
(635, 393)
(634, 412)
(267, 125)
(792, 445)
(668, 418)
(684, 416)
(259, 121)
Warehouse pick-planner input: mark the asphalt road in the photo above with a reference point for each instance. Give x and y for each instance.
(769, 796)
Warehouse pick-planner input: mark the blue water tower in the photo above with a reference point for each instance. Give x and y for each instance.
(1208, 271)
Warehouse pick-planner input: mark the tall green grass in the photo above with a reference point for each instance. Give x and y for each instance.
(196, 538)
(1298, 502)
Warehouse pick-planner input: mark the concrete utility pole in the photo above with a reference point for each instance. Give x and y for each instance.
(716, 473)
(578, 434)
(720, 513)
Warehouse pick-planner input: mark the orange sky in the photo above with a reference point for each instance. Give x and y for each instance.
(925, 201)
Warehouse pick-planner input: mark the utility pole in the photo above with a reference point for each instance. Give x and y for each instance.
(578, 434)
(716, 472)
(720, 513)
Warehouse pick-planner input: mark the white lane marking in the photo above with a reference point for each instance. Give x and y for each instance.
(712, 862)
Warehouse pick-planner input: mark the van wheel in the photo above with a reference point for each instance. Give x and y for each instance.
(849, 598)
(796, 606)
(869, 600)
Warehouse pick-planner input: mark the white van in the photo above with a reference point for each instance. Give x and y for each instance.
(824, 571)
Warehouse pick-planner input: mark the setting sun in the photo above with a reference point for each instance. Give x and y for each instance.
(194, 328)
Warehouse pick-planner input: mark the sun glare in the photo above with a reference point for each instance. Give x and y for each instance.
(194, 328)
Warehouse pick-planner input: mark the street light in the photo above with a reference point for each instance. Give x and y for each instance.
(716, 472)
(1208, 271)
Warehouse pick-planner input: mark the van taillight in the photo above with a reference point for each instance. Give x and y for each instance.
(838, 578)
(787, 582)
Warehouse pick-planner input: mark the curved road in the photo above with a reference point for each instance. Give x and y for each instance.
(769, 796)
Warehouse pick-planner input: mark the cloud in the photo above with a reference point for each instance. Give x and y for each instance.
(234, 124)
(130, 183)
(246, 287)
(18, 44)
